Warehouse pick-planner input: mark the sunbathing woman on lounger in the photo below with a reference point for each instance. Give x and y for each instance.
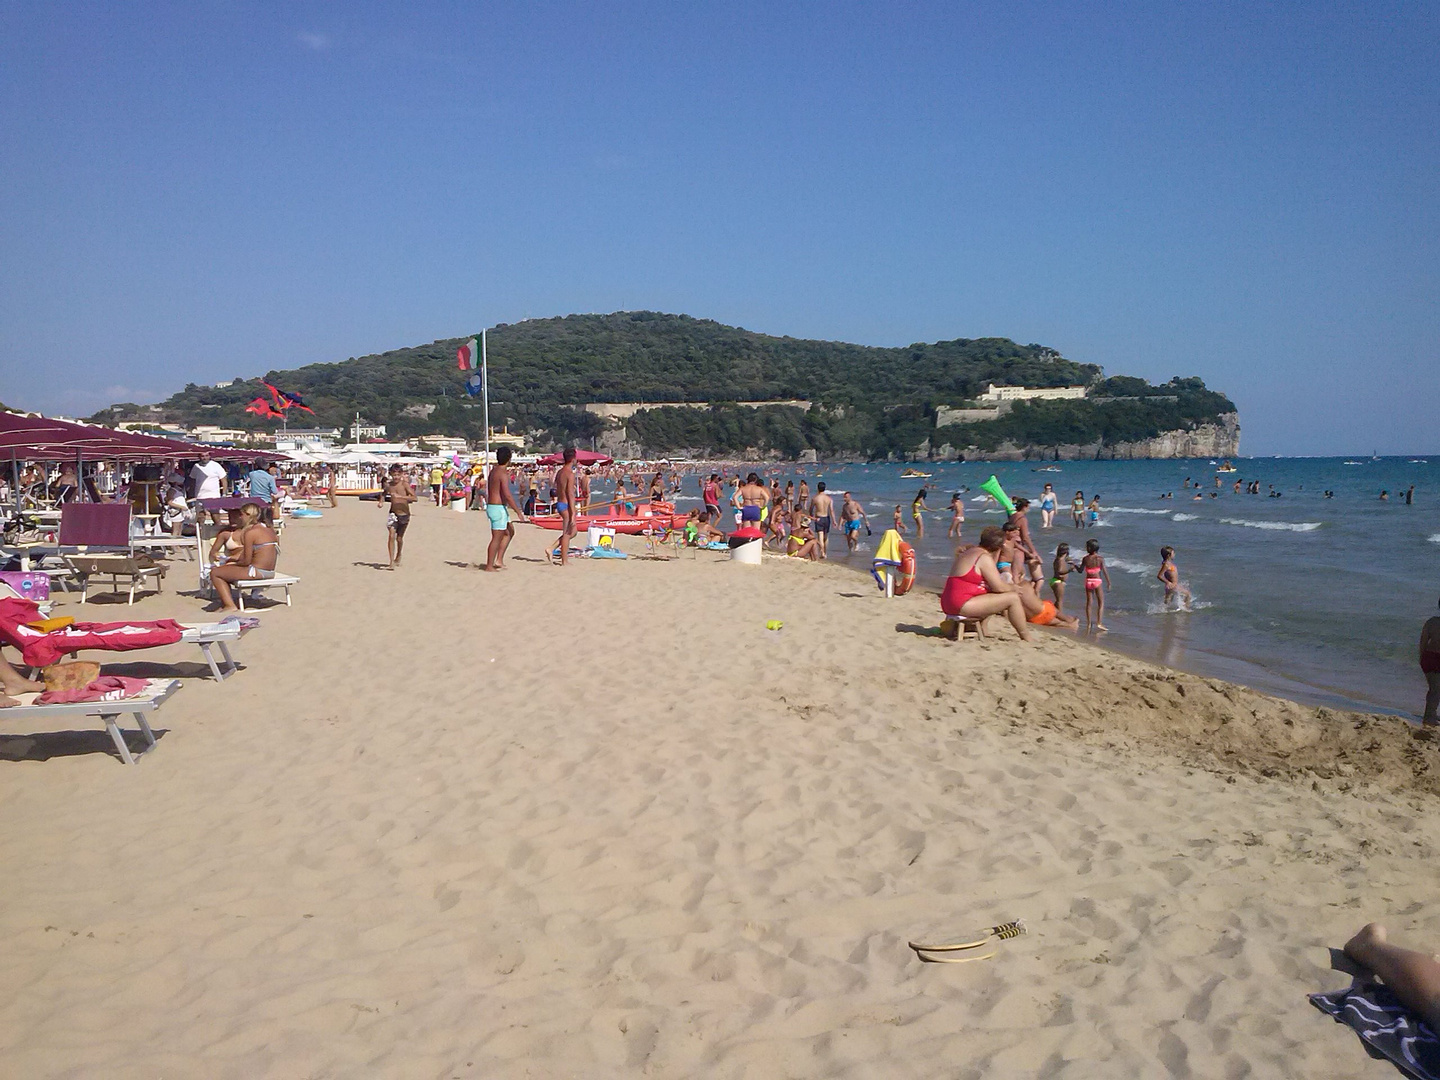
(256, 559)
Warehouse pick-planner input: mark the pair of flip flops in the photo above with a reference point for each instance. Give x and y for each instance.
(962, 952)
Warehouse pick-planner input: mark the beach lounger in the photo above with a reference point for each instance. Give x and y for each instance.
(107, 712)
(137, 569)
(279, 581)
(216, 634)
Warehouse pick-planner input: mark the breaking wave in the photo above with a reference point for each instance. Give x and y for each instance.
(1186, 517)
(1275, 526)
(1130, 510)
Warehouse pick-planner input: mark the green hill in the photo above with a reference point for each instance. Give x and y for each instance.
(866, 400)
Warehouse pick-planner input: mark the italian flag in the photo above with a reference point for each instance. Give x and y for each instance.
(467, 357)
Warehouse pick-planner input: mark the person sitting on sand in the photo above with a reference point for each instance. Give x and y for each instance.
(975, 590)
(1413, 977)
(260, 547)
(12, 683)
(802, 543)
(702, 532)
(1430, 666)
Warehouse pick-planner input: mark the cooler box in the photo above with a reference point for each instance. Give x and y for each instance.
(30, 584)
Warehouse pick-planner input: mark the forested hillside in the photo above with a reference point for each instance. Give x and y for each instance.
(868, 400)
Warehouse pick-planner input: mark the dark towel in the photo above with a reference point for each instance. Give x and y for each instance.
(1386, 1028)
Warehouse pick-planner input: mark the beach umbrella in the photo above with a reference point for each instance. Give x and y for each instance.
(582, 457)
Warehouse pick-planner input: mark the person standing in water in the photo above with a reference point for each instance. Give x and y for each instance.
(917, 505)
(957, 516)
(1047, 507)
(822, 509)
(1092, 515)
(1059, 570)
(851, 517)
(1169, 576)
(1097, 580)
(1077, 509)
(1430, 666)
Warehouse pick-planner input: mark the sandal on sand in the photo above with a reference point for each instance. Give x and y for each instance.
(1004, 931)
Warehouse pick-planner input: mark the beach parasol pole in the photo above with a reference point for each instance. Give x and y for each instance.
(485, 395)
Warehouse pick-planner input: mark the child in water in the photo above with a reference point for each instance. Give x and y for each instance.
(1093, 514)
(1169, 576)
(1097, 580)
(1062, 566)
(899, 525)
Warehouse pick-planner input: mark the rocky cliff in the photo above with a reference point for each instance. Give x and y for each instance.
(1219, 440)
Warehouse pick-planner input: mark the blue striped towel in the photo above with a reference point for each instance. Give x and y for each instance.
(1386, 1028)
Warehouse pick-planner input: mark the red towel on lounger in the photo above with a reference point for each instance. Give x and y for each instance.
(41, 650)
(105, 688)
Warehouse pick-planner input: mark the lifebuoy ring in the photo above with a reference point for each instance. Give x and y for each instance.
(905, 580)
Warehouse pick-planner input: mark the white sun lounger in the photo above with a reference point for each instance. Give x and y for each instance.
(219, 633)
(279, 581)
(108, 712)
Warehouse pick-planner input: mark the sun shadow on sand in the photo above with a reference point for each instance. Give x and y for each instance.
(854, 595)
(918, 631)
(43, 746)
(148, 670)
(373, 565)
(459, 565)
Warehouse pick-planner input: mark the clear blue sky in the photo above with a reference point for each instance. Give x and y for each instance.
(1246, 192)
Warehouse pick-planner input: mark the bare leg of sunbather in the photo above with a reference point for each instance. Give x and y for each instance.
(12, 682)
(1413, 976)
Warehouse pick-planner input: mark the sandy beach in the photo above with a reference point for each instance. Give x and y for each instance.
(600, 821)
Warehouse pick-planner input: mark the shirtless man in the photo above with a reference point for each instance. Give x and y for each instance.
(566, 500)
(399, 494)
(822, 509)
(754, 498)
(501, 509)
(851, 518)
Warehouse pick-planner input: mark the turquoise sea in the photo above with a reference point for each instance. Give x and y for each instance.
(1312, 598)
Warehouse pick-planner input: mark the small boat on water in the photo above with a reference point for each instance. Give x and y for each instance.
(1047, 468)
(1225, 466)
(915, 474)
(647, 516)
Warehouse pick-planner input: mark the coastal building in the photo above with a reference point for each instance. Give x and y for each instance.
(308, 439)
(1027, 393)
(361, 430)
(946, 415)
(440, 444)
(504, 437)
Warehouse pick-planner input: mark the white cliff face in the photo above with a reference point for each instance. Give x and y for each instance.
(1204, 441)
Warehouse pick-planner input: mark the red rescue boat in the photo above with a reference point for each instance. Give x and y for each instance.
(647, 516)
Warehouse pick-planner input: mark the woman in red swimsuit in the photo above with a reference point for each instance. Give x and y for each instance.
(1430, 666)
(974, 588)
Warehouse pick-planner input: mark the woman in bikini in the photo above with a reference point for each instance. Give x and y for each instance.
(974, 589)
(1077, 509)
(957, 516)
(256, 559)
(917, 505)
(1097, 580)
(1059, 570)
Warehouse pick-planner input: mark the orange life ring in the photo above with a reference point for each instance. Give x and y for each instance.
(905, 580)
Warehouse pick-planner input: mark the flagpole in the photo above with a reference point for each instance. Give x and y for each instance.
(485, 392)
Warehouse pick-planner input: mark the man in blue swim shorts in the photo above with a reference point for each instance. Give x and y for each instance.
(501, 509)
(565, 503)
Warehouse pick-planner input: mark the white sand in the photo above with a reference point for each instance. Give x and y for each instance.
(600, 822)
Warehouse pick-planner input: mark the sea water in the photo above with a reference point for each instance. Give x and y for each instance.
(1313, 598)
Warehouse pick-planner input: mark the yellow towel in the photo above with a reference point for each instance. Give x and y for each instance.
(889, 548)
(57, 623)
